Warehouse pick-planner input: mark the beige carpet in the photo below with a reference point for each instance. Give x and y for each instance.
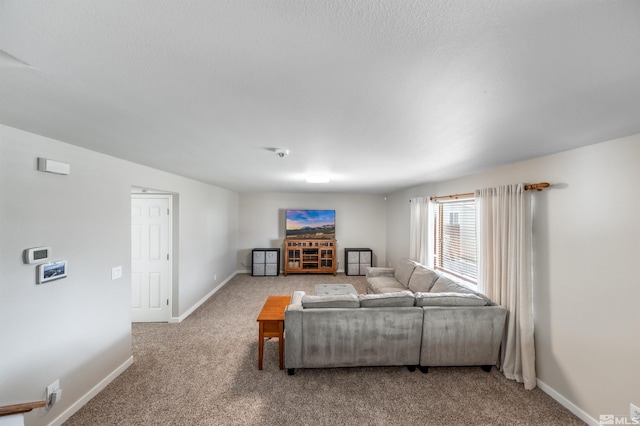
(204, 371)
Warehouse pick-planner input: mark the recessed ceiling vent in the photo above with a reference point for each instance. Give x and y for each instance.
(281, 152)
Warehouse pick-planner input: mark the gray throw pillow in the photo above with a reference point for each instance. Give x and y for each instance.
(449, 299)
(330, 301)
(395, 299)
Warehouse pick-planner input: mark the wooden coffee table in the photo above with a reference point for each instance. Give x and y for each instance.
(271, 324)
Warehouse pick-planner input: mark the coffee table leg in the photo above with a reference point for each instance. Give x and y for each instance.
(281, 343)
(260, 343)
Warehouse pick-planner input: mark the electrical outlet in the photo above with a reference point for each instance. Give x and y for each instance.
(53, 393)
(634, 413)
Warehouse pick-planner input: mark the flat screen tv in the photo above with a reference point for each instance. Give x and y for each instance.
(310, 224)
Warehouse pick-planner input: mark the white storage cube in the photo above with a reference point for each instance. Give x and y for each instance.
(271, 269)
(353, 269)
(271, 257)
(353, 257)
(258, 257)
(258, 269)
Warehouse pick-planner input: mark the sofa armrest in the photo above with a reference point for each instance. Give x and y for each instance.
(296, 298)
(380, 272)
(293, 331)
(461, 335)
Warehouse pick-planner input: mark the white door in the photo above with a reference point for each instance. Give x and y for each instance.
(150, 264)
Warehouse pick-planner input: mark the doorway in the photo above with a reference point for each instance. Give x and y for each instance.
(151, 253)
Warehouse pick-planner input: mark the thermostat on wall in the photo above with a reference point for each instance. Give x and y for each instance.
(37, 254)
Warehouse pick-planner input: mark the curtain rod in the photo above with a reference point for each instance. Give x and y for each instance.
(537, 186)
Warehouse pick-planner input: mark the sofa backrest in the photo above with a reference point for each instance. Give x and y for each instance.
(403, 271)
(351, 337)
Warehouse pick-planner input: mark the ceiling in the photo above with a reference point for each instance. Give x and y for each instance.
(379, 95)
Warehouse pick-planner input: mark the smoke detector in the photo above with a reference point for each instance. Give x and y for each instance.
(281, 152)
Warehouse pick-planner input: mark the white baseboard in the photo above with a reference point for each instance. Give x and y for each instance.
(567, 404)
(201, 301)
(64, 416)
(248, 271)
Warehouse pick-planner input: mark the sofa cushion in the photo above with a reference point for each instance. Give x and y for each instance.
(447, 285)
(384, 285)
(449, 299)
(404, 270)
(385, 290)
(330, 301)
(422, 279)
(399, 298)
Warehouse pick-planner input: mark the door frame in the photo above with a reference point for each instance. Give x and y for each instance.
(137, 192)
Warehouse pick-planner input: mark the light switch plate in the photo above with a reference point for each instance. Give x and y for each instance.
(116, 272)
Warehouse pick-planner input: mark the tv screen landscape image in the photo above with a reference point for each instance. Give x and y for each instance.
(310, 224)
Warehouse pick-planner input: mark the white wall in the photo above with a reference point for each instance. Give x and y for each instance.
(360, 222)
(587, 243)
(78, 329)
(208, 240)
(399, 220)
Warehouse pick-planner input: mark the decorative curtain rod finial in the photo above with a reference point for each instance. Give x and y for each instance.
(537, 186)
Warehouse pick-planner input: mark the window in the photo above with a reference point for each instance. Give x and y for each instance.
(454, 226)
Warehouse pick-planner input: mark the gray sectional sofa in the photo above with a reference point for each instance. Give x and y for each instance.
(410, 316)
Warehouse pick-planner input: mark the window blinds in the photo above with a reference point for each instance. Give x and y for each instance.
(455, 238)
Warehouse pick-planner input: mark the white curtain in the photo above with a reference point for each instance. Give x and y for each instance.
(504, 229)
(419, 249)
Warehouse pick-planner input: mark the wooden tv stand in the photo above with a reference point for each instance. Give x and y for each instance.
(310, 256)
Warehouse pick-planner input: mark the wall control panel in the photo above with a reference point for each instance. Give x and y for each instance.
(52, 271)
(37, 255)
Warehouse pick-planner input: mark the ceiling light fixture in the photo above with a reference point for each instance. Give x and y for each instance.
(318, 179)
